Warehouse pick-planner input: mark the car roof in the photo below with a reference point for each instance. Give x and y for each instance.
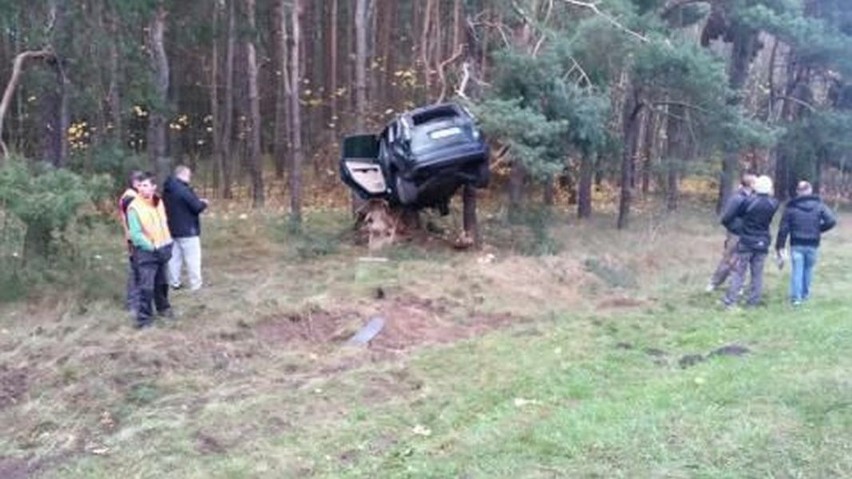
(431, 112)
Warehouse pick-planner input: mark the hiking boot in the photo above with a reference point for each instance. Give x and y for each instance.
(167, 314)
(143, 324)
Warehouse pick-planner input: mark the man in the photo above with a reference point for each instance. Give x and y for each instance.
(750, 221)
(152, 243)
(729, 255)
(132, 290)
(183, 208)
(805, 218)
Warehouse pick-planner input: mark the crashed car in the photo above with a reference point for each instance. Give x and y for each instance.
(419, 160)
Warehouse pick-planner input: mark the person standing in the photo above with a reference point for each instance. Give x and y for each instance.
(750, 221)
(729, 253)
(805, 219)
(132, 290)
(152, 248)
(183, 207)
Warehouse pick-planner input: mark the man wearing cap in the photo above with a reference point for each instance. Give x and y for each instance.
(750, 221)
(805, 219)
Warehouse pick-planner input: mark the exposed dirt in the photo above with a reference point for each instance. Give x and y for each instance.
(409, 322)
(11, 468)
(621, 302)
(13, 386)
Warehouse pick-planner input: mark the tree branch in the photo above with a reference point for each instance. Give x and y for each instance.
(593, 7)
(797, 101)
(17, 68)
(671, 7)
(458, 53)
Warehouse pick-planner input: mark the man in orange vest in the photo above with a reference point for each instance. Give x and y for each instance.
(132, 293)
(152, 242)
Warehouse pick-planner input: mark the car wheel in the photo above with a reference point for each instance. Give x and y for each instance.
(406, 192)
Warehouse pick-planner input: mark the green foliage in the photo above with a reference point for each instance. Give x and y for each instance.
(110, 159)
(46, 200)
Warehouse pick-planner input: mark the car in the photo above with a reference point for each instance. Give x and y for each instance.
(419, 160)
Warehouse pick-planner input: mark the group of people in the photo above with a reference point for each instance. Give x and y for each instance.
(747, 218)
(162, 233)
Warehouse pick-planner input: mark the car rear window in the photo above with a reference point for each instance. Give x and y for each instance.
(433, 114)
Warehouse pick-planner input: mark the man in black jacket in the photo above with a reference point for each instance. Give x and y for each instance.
(750, 221)
(805, 219)
(183, 208)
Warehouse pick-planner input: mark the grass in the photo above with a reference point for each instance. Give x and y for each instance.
(563, 365)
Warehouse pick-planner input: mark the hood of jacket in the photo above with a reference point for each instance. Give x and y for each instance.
(805, 203)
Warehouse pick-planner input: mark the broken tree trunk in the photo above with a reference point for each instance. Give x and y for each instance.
(17, 68)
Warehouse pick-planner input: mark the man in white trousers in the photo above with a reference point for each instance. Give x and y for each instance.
(183, 208)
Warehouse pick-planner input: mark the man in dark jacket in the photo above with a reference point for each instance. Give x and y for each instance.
(750, 221)
(805, 219)
(183, 208)
(729, 253)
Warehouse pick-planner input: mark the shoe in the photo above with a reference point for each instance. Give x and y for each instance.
(177, 286)
(167, 314)
(710, 288)
(797, 303)
(143, 324)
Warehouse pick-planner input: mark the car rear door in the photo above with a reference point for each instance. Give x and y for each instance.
(360, 168)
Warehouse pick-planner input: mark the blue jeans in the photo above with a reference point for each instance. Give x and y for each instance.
(802, 261)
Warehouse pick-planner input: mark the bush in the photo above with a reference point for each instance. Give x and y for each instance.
(46, 201)
(44, 214)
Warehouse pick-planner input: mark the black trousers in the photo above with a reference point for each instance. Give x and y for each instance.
(151, 279)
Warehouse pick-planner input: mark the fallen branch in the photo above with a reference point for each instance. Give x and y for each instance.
(17, 68)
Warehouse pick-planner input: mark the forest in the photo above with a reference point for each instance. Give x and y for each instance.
(570, 334)
(637, 95)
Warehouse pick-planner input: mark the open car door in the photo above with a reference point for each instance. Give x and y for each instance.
(360, 168)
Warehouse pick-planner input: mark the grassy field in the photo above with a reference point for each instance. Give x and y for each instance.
(590, 358)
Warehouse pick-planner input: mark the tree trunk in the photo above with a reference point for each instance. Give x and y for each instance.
(215, 115)
(548, 191)
(470, 221)
(224, 156)
(14, 79)
(157, 154)
(647, 156)
(296, 114)
(55, 116)
(114, 94)
(332, 64)
(282, 99)
(796, 91)
(742, 51)
(360, 79)
(517, 178)
(676, 152)
(254, 126)
(631, 111)
(587, 171)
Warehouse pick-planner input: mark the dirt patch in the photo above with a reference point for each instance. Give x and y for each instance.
(206, 444)
(12, 468)
(13, 386)
(409, 321)
(621, 302)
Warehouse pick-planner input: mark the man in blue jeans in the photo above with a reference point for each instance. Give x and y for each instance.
(805, 219)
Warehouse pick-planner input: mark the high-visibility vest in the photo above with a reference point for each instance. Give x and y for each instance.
(153, 219)
(129, 194)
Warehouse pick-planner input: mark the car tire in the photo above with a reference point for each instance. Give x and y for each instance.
(406, 191)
